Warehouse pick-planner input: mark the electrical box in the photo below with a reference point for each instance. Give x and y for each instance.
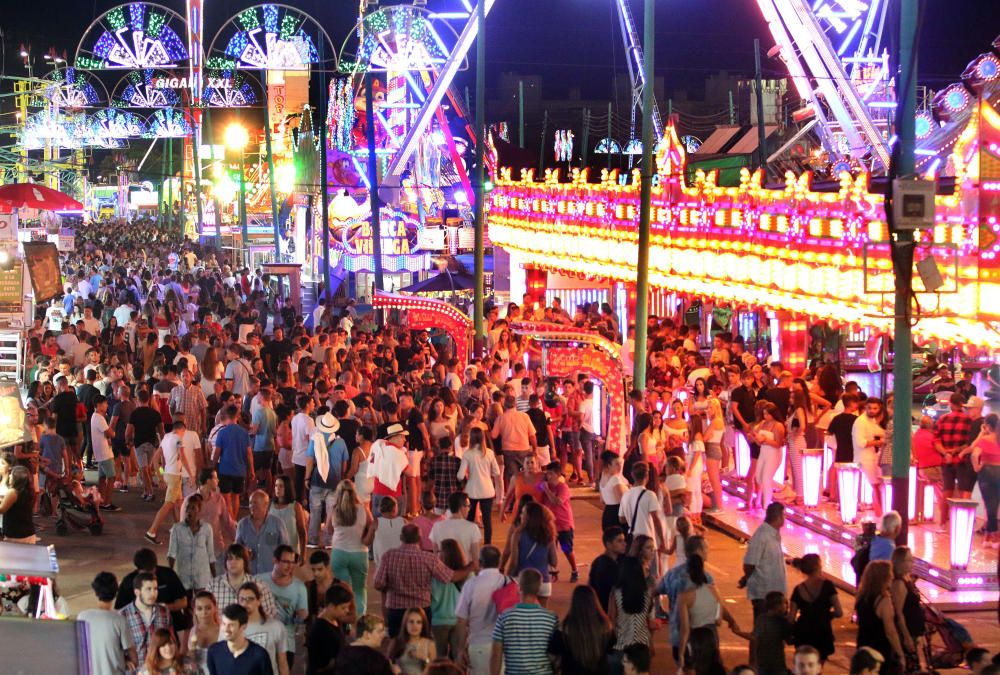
(913, 204)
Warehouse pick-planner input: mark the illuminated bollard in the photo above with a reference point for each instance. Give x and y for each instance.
(886, 494)
(911, 501)
(742, 452)
(849, 484)
(963, 524)
(812, 476)
(929, 503)
(827, 461)
(866, 495)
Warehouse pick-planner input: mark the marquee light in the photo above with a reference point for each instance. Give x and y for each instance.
(70, 88)
(143, 89)
(168, 123)
(400, 38)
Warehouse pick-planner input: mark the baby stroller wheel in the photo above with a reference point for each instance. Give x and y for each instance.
(96, 529)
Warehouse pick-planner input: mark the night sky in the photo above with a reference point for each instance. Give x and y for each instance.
(570, 42)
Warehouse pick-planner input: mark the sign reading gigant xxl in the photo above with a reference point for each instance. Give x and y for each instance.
(185, 82)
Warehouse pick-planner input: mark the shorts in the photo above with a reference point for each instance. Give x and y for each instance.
(120, 449)
(106, 468)
(231, 485)
(173, 483)
(871, 468)
(930, 474)
(416, 457)
(565, 538)
(961, 476)
(545, 591)
(713, 451)
(144, 454)
(263, 460)
(571, 439)
(758, 609)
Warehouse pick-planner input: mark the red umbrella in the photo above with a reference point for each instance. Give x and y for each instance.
(37, 197)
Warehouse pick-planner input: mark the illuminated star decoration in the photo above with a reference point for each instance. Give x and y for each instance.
(238, 92)
(168, 123)
(400, 38)
(133, 36)
(70, 88)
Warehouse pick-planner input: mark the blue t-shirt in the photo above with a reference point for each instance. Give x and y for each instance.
(232, 441)
(336, 448)
(52, 447)
(266, 421)
(881, 549)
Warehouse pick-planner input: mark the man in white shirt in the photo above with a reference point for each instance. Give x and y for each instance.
(457, 526)
(764, 561)
(67, 340)
(176, 466)
(54, 316)
(303, 427)
(869, 437)
(238, 371)
(476, 611)
(453, 380)
(640, 508)
(90, 323)
(100, 437)
(123, 313)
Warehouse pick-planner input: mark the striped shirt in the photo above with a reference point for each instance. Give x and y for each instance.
(524, 631)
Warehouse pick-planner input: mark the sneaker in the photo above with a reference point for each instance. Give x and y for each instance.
(147, 498)
(574, 577)
(110, 507)
(151, 538)
(123, 489)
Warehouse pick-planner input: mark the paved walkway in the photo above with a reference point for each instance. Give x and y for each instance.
(81, 556)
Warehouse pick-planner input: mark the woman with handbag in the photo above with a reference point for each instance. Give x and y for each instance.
(533, 545)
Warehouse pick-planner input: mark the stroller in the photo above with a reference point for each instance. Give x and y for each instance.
(75, 506)
(945, 640)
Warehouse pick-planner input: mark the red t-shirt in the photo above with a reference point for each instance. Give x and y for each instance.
(563, 512)
(923, 449)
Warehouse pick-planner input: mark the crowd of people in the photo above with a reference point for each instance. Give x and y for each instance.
(302, 460)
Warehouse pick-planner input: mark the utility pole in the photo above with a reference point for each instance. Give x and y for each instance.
(761, 134)
(541, 152)
(271, 179)
(905, 167)
(324, 199)
(373, 182)
(609, 136)
(479, 262)
(520, 112)
(645, 198)
(585, 141)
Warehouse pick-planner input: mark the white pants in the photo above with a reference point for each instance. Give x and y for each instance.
(767, 464)
(695, 470)
(479, 659)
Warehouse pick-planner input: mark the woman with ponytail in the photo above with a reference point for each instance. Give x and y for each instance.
(353, 531)
(699, 609)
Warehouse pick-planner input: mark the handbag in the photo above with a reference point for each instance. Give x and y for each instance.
(506, 596)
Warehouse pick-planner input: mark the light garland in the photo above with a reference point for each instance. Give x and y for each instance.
(804, 251)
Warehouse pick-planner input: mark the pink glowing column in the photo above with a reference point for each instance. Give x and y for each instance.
(866, 494)
(928, 511)
(849, 483)
(742, 454)
(812, 476)
(963, 524)
(911, 501)
(886, 494)
(827, 460)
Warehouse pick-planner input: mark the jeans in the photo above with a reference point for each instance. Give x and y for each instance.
(989, 486)
(299, 483)
(352, 567)
(767, 465)
(317, 497)
(487, 509)
(587, 448)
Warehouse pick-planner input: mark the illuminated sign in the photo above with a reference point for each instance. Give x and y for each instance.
(400, 38)
(396, 239)
(269, 37)
(185, 83)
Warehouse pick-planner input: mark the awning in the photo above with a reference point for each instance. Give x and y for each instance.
(748, 143)
(714, 143)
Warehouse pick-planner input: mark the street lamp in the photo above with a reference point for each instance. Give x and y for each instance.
(236, 138)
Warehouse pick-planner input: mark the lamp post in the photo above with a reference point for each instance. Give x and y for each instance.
(645, 199)
(236, 138)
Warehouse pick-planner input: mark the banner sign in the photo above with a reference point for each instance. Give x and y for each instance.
(15, 428)
(42, 259)
(11, 289)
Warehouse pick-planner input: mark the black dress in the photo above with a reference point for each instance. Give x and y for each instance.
(871, 633)
(813, 626)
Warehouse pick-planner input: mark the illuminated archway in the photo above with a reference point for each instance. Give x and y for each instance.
(424, 313)
(270, 37)
(134, 36)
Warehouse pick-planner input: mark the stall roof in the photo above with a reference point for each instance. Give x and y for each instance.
(748, 143)
(718, 140)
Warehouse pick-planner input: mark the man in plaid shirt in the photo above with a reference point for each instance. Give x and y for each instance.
(951, 435)
(145, 616)
(404, 577)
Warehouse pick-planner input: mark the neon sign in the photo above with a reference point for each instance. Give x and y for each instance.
(270, 37)
(400, 39)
